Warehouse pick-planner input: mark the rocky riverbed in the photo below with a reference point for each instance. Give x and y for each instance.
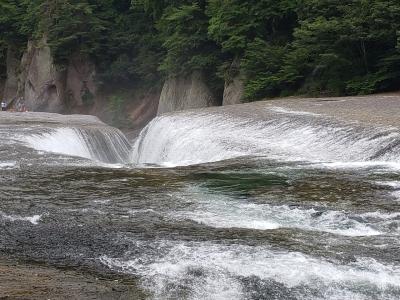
(24, 280)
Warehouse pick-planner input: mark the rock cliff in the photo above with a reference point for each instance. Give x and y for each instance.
(35, 81)
(40, 84)
(44, 87)
(233, 92)
(180, 93)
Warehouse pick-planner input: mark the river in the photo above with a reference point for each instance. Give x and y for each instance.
(247, 202)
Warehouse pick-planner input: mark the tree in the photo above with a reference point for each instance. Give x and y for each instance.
(278, 47)
(183, 31)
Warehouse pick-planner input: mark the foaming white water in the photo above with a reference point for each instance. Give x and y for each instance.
(265, 217)
(102, 144)
(7, 165)
(393, 184)
(213, 271)
(221, 211)
(60, 140)
(396, 195)
(184, 142)
(384, 165)
(198, 137)
(13, 218)
(294, 112)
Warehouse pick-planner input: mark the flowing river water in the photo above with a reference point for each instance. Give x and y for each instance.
(240, 203)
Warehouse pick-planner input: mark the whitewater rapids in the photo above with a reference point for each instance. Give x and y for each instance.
(75, 136)
(282, 133)
(273, 200)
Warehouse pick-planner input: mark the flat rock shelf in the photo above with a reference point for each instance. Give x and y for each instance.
(24, 280)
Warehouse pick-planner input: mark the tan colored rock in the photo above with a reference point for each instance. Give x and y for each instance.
(144, 109)
(43, 87)
(40, 84)
(139, 108)
(22, 281)
(233, 91)
(181, 93)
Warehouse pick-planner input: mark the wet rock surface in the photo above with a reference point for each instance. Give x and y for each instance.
(22, 280)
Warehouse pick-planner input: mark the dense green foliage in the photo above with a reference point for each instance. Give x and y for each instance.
(278, 47)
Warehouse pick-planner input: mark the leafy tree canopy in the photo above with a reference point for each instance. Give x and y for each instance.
(277, 47)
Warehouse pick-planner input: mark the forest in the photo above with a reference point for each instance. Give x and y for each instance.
(277, 47)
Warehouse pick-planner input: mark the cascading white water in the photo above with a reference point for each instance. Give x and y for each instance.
(104, 144)
(71, 135)
(214, 271)
(61, 140)
(200, 137)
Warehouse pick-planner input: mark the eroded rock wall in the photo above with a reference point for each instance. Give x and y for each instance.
(180, 93)
(233, 91)
(40, 85)
(45, 87)
(35, 81)
(144, 108)
(139, 107)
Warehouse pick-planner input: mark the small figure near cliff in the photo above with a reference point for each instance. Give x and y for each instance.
(3, 105)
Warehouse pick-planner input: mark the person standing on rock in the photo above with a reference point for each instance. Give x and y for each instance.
(3, 105)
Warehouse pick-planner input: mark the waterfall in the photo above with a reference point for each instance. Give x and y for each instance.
(72, 135)
(103, 143)
(202, 136)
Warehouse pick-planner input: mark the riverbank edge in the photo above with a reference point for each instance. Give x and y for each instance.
(22, 280)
